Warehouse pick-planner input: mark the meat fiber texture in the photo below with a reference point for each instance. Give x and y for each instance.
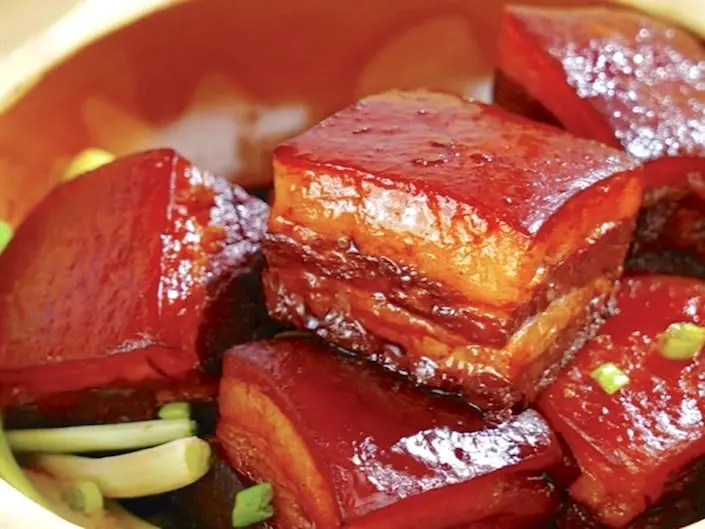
(632, 446)
(624, 79)
(448, 240)
(346, 444)
(138, 273)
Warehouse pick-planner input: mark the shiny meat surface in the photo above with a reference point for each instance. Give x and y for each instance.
(477, 273)
(493, 378)
(470, 196)
(348, 444)
(630, 444)
(439, 146)
(406, 288)
(135, 273)
(616, 76)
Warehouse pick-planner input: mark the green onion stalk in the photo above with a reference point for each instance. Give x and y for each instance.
(175, 411)
(85, 161)
(84, 497)
(610, 378)
(11, 472)
(253, 505)
(6, 233)
(682, 341)
(99, 438)
(146, 472)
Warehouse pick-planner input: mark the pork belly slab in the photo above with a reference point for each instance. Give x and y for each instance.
(631, 444)
(448, 240)
(348, 445)
(135, 273)
(624, 79)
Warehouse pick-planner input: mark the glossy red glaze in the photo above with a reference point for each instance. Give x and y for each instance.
(629, 444)
(616, 76)
(125, 275)
(382, 444)
(442, 148)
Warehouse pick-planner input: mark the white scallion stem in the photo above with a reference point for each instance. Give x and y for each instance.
(83, 496)
(156, 470)
(11, 472)
(99, 438)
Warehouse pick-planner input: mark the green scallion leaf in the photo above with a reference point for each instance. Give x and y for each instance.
(253, 505)
(175, 410)
(99, 437)
(682, 341)
(85, 161)
(610, 378)
(6, 233)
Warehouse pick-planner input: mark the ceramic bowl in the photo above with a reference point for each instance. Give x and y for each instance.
(222, 81)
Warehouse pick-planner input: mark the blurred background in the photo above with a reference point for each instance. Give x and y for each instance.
(222, 81)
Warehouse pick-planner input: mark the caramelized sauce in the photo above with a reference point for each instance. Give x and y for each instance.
(630, 443)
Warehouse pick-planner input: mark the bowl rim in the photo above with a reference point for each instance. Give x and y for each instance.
(19, 512)
(88, 22)
(85, 23)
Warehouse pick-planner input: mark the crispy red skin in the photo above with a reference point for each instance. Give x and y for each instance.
(363, 426)
(628, 445)
(132, 274)
(617, 76)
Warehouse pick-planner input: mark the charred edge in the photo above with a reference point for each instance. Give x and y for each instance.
(236, 314)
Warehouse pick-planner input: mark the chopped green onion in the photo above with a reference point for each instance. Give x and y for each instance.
(610, 378)
(125, 518)
(175, 410)
(253, 505)
(83, 496)
(11, 472)
(682, 341)
(85, 161)
(6, 233)
(100, 438)
(156, 470)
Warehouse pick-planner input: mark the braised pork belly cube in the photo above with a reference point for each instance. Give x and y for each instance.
(448, 240)
(346, 444)
(619, 77)
(137, 273)
(630, 406)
